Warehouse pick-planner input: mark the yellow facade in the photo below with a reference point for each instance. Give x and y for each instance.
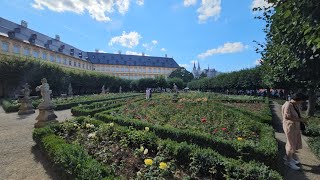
(10, 46)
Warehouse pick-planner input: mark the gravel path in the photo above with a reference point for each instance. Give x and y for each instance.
(19, 157)
(310, 165)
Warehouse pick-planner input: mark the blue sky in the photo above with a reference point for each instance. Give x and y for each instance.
(218, 33)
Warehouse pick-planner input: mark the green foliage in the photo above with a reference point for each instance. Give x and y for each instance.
(265, 152)
(208, 163)
(291, 53)
(239, 80)
(313, 127)
(8, 106)
(16, 71)
(198, 162)
(181, 73)
(93, 108)
(315, 145)
(70, 158)
(177, 81)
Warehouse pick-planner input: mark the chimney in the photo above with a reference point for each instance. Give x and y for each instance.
(57, 38)
(142, 53)
(166, 55)
(96, 50)
(119, 52)
(24, 24)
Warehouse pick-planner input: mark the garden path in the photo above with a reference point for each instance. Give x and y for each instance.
(19, 157)
(310, 164)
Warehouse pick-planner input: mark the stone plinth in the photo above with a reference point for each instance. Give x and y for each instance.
(46, 116)
(25, 107)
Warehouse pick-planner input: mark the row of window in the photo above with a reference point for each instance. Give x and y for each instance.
(137, 77)
(65, 61)
(132, 69)
(36, 54)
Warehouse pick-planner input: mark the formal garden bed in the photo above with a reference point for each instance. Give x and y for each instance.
(66, 102)
(89, 149)
(204, 122)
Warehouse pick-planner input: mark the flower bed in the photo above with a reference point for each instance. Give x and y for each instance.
(139, 154)
(93, 108)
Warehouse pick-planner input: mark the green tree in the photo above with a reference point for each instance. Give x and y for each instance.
(161, 81)
(182, 73)
(291, 52)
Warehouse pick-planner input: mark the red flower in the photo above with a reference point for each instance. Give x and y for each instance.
(224, 129)
(215, 131)
(203, 119)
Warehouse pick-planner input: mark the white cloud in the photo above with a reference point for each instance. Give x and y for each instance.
(260, 3)
(187, 3)
(129, 40)
(150, 46)
(154, 42)
(208, 9)
(140, 2)
(98, 9)
(184, 65)
(133, 53)
(163, 49)
(226, 48)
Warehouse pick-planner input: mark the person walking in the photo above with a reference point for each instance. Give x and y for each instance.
(291, 116)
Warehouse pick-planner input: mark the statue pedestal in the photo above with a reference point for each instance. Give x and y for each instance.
(25, 107)
(46, 116)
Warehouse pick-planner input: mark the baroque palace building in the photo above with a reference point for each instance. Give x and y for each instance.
(19, 40)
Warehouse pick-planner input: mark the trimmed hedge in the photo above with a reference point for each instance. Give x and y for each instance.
(70, 158)
(93, 108)
(197, 161)
(8, 106)
(265, 152)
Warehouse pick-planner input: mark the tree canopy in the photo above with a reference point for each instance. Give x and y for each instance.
(291, 52)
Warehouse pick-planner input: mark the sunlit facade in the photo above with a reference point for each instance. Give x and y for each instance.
(19, 40)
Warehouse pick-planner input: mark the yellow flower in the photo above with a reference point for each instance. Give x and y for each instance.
(145, 151)
(163, 165)
(146, 129)
(148, 162)
(239, 138)
(111, 124)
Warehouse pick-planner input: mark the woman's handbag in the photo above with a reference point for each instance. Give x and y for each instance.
(302, 125)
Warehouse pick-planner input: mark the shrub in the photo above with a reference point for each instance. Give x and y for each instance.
(70, 158)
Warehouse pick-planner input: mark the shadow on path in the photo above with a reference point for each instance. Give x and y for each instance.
(51, 170)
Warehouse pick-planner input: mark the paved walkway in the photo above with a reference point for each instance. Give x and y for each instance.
(19, 157)
(309, 163)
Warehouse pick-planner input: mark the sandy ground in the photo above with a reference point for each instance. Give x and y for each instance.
(19, 157)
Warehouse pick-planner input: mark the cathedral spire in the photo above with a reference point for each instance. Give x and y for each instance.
(198, 66)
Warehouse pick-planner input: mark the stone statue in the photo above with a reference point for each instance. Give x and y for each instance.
(103, 91)
(175, 95)
(45, 93)
(120, 89)
(46, 114)
(26, 106)
(70, 93)
(175, 88)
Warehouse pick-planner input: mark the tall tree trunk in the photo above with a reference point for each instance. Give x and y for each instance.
(312, 102)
